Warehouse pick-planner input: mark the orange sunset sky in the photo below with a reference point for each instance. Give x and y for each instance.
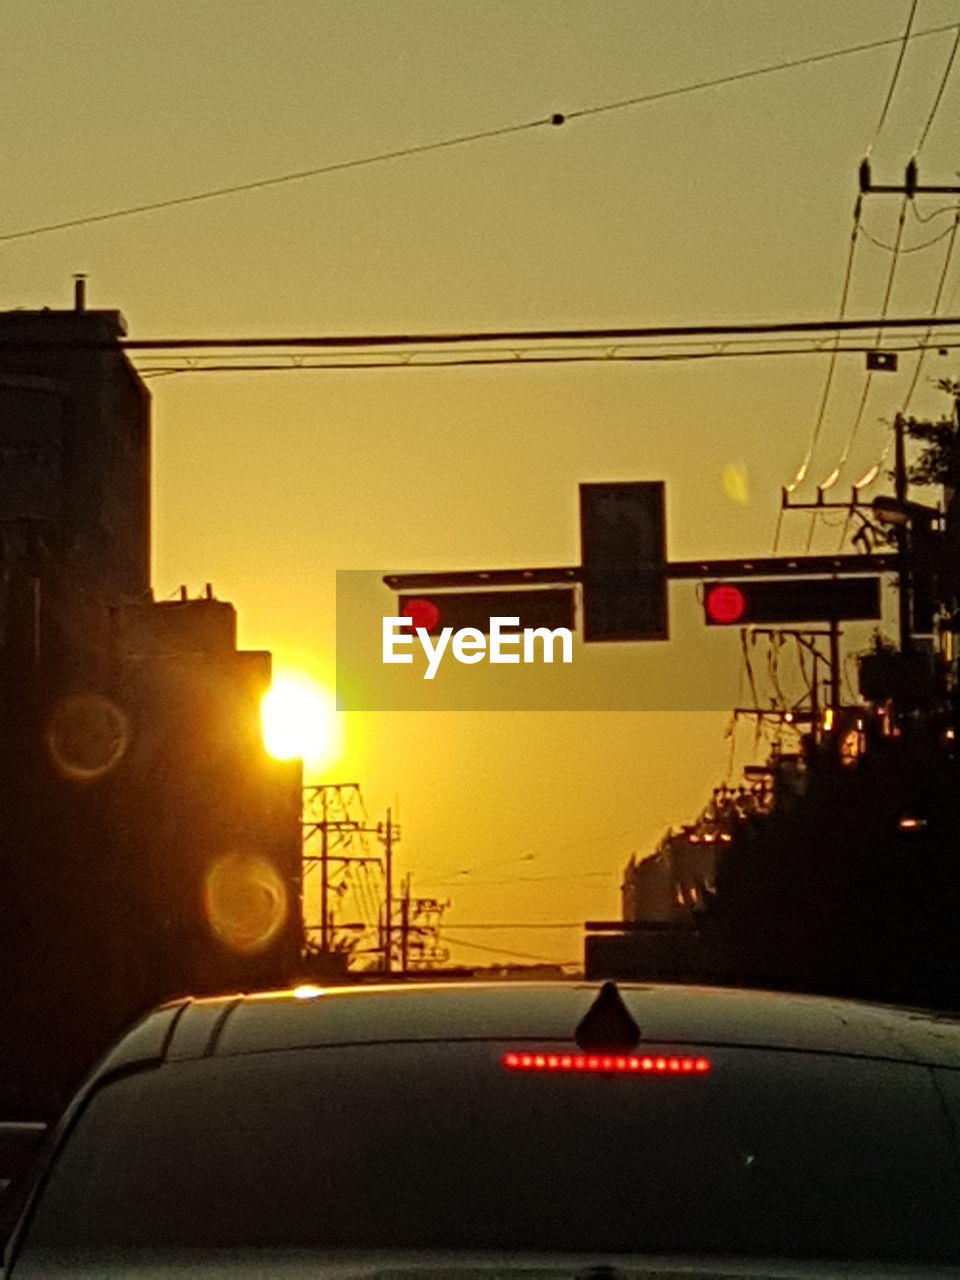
(731, 203)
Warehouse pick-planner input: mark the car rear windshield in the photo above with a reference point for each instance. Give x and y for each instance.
(439, 1146)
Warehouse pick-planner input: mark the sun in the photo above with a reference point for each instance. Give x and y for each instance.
(300, 721)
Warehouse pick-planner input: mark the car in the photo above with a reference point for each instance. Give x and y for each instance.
(529, 1131)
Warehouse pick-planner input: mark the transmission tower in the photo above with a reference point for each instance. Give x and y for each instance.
(337, 864)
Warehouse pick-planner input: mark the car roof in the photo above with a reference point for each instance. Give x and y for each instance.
(532, 1013)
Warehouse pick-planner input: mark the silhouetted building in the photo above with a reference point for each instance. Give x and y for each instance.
(149, 847)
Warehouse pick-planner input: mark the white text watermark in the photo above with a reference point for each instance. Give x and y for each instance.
(469, 645)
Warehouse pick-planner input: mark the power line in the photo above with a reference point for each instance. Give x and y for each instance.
(937, 213)
(948, 257)
(517, 360)
(896, 74)
(896, 249)
(515, 880)
(868, 381)
(618, 334)
(502, 951)
(400, 153)
(869, 477)
(825, 395)
(901, 342)
(300, 175)
(910, 248)
(770, 69)
(527, 925)
(828, 382)
(857, 226)
(937, 100)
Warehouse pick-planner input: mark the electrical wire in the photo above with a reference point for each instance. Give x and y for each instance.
(258, 184)
(944, 272)
(516, 352)
(513, 360)
(575, 924)
(773, 670)
(888, 292)
(937, 213)
(514, 880)
(896, 74)
(910, 248)
(828, 382)
(874, 472)
(937, 100)
(553, 847)
(801, 475)
(614, 335)
(871, 476)
(502, 951)
(748, 666)
(400, 153)
(868, 381)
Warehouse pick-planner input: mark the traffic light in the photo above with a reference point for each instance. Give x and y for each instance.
(549, 607)
(786, 600)
(623, 558)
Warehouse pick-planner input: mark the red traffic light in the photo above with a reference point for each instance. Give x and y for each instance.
(534, 607)
(724, 603)
(422, 613)
(778, 602)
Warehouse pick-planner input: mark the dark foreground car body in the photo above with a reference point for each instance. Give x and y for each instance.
(539, 1131)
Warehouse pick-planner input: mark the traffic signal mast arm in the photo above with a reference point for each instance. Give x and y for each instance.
(770, 566)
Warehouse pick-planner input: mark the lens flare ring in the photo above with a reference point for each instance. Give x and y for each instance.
(87, 736)
(245, 902)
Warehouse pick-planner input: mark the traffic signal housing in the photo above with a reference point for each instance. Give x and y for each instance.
(550, 607)
(623, 560)
(786, 600)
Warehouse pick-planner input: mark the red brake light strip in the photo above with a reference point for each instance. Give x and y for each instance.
(626, 1064)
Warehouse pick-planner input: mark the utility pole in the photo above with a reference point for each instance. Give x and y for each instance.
(405, 926)
(324, 876)
(335, 813)
(388, 832)
(808, 640)
(834, 637)
(902, 533)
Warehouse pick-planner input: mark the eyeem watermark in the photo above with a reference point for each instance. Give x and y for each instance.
(494, 669)
(469, 645)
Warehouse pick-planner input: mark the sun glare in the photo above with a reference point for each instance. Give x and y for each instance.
(300, 720)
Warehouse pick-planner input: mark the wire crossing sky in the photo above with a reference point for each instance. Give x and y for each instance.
(556, 119)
